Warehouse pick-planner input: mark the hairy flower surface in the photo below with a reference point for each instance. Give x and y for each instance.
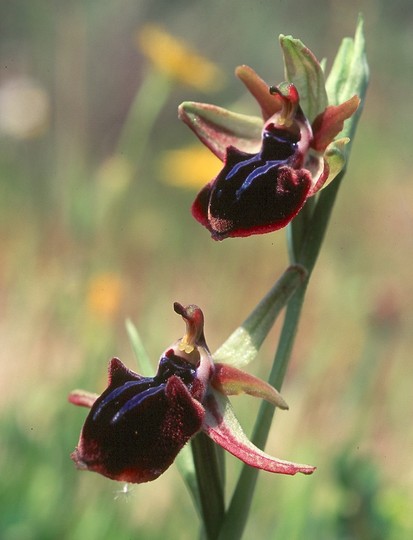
(137, 426)
(271, 165)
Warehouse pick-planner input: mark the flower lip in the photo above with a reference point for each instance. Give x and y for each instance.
(258, 192)
(138, 425)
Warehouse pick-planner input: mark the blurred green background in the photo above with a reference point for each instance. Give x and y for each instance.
(95, 228)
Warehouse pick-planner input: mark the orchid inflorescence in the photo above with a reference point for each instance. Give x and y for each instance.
(272, 165)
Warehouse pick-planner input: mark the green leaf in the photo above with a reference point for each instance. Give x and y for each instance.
(350, 72)
(305, 72)
(244, 343)
(144, 364)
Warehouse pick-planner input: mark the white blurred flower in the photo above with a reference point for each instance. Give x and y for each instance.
(24, 108)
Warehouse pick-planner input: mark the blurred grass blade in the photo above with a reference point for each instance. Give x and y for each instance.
(148, 103)
(244, 343)
(144, 364)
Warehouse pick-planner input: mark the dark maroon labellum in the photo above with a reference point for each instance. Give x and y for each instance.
(138, 425)
(255, 193)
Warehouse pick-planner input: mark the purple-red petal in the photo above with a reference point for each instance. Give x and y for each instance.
(270, 103)
(232, 381)
(219, 128)
(328, 124)
(82, 398)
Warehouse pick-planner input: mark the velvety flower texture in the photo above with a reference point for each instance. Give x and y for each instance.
(271, 166)
(137, 426)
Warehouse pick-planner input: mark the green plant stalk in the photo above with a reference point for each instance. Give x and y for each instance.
(237, 514)
(348, 76)
(208, 465)
(210, 474)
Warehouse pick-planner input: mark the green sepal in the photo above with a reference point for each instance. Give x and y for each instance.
(304, 70)
(335, 157)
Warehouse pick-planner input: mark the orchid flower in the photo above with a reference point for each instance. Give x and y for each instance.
(138, 425)
(273, 164)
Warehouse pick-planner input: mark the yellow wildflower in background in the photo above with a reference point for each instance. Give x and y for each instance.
(193, 166)
(115, 174)
(104, 295)
(177, 60)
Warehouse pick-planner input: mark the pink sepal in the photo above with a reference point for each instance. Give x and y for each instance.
(82, 398)
(219, 128)
(222, 426)
(328, 124)
(270, 103)
(232, 381)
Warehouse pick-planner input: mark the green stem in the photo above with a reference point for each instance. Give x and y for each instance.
(237, 514)
(348, 76)
(210, 477)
